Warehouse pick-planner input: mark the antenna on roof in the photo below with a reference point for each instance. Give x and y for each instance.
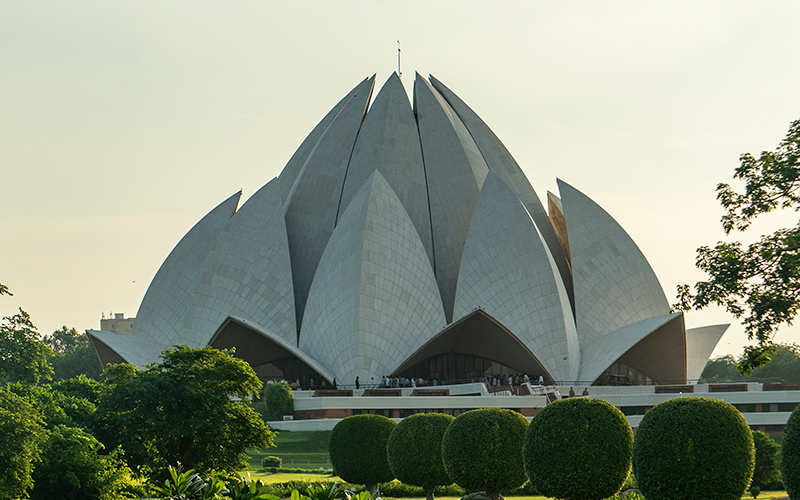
(399, 73)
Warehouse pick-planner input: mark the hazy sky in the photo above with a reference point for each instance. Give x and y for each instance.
(123, 123)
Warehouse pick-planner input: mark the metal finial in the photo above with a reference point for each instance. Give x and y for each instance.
(399, 72)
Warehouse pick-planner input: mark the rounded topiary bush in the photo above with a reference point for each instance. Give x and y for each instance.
(768, 461)
(482, 450)
(693, 448)
(578, 449)
(357, 448)
(271, 462)
(790, 456)
(414, 451)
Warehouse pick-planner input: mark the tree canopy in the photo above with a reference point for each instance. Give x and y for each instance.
(784, 367)
(72, 354)
(23, 356)
(759, 284)
(74, 465)
(21, 432)
(180, 411)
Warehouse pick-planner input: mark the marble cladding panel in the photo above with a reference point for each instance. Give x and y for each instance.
(700, 343)
(455, 172)
(292, 170)
(248, 273)
(614, 284)
(389, 142)
(507, 271)
(163, 309)
(313, 203)
(387, 303)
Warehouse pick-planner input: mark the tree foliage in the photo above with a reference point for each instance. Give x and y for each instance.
(73, 466)
(357, 448)
(759, 284)
(482, 450)
(72, 354)
(56, 408)
(279, 400)
(414, 451)
(693, 448)
(720, 369)
(23, 356)
(180, 411)
(790, 455)
(578, 448)
(21, 431)
(783, 367)
(767, 460)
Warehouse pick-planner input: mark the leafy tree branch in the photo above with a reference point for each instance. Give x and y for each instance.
(758, 284)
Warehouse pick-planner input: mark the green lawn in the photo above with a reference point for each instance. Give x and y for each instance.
(297, 449)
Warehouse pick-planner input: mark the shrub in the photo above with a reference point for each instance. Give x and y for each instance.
(357, 449)
(578, 448)
(396, 489)
(768, 461)
(414, 451)
(279, 400)
(271, 462)
(790, 455)
(482, 450)
(693, 448)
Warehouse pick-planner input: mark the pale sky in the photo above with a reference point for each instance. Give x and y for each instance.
(123, 123)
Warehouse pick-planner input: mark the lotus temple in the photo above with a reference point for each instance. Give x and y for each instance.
(404, 240)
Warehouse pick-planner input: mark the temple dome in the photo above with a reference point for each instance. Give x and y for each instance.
(408, 241)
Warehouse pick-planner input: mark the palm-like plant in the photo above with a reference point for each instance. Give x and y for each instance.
(189, 485)
(247, 489)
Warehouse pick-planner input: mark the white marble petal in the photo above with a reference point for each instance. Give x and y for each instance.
(163, 310)
(455, 172)
(600, 354)
(501, 162)
(507, 271)
(700, 343)
(313, 202)
(389, 142)
(248, 273)
(114, 348)
(613, 282)
(292, 170)
(374, 300)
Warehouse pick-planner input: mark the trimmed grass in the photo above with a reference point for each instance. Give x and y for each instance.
(297, 449)
(285, 478)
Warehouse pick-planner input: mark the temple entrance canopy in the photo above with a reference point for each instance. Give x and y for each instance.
(270, 358)
(473, 347)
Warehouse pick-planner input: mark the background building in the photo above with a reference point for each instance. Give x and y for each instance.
(118, 324)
